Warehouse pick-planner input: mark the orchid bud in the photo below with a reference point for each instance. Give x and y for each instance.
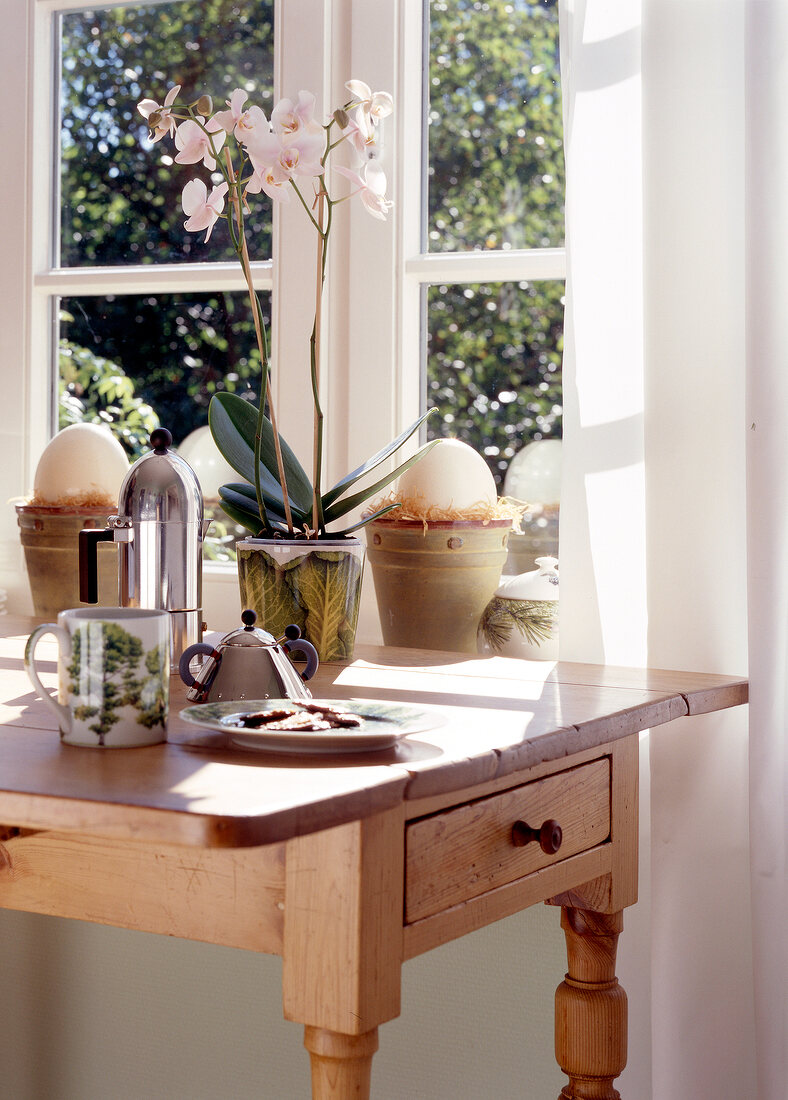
(154, 118)
(341, 118)
(204, 105)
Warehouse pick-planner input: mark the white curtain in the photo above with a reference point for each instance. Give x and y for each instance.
(767, 514)
(653, 518)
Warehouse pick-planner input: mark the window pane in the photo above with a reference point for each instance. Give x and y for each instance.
(494, 366)
(171, 352)
(496, 165)
(120, 194)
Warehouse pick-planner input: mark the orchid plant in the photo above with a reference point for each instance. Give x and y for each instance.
(287, 159)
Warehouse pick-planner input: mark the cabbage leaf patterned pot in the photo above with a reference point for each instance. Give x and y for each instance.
(314, 583)
(521, 620)
(433, 580)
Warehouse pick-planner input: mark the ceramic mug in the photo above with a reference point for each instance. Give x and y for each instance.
(113, 675)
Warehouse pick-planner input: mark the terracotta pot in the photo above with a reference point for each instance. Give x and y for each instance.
(315, 584)
(433, 582)
(50, 539)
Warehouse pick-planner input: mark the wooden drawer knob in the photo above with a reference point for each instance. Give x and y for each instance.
(549, 835)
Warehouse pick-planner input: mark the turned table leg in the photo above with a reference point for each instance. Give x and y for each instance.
(342, 946)
(341, 1064)
(591, 1007)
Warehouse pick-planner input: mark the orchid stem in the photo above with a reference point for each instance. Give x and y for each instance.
(265, 379)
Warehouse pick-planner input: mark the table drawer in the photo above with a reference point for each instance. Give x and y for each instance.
(465, 851)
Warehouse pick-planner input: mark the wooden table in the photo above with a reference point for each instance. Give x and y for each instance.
(346, 867)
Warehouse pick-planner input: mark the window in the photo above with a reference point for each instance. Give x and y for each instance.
(494, 225)
(127, 357)
(119, 210)
(463, 311)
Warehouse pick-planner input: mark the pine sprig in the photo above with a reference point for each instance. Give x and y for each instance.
(534, 619)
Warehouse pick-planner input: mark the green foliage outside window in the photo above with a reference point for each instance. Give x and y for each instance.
(94, 390)
(121, 205)
(496, 181)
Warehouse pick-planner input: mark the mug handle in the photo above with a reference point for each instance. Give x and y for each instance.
(63, 714)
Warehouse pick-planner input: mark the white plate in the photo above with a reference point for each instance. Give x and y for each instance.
(384, 724)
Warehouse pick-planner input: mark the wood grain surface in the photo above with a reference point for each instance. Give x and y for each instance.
(493, 716)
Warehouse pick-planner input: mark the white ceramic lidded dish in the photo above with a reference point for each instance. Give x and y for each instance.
(521, 620)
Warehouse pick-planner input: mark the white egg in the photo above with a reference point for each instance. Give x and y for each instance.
(204, 457)
(450, 477)
(83, 464)
(534, 474)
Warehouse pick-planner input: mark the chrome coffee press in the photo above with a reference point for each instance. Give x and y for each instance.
(159, 530)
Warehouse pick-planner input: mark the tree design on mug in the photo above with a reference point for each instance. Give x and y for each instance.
(110, 667)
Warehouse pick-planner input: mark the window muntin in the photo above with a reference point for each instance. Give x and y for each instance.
(120, 195)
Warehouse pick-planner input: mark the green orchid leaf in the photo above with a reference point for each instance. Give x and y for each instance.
(367, 519)
(243, 518)
(242, 487)
(371, 463)
(342, 507)
(233, 424)
(241, 509)
(273, 505)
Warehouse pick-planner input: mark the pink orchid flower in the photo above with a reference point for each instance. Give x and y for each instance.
(371, 188)
(361, 136)
(165, 124)
(242, 123)
(299, 155)
(272, 181)
(368, 111)
(196, 145)
(289, 119)
(202, 210)
(374, 105)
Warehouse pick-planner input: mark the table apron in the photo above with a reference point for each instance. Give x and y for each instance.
(233, 897)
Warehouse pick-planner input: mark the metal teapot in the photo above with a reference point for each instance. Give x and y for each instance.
(249, 663)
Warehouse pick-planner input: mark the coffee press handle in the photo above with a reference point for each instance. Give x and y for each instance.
(89, 538)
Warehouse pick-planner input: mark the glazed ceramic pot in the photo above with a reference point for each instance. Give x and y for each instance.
(50, 539)
(433, 581)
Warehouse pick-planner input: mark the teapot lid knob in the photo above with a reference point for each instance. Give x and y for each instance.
(160, 440)
(248, 618)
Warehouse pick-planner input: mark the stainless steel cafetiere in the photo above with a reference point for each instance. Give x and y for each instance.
(159, 530)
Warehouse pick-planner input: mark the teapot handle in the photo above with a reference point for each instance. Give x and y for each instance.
(301, 645)
(186, 657)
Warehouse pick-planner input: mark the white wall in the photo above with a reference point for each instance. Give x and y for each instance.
(92, 1013)
(693, 78)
